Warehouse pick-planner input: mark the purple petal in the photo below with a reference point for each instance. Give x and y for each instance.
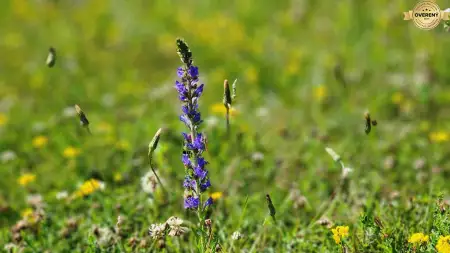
(185, 120)
(200, 173)
(208, 202)
(180, 72)
(191, 202)
(193, 71)
(186, 161)
(205, 185)
(201, 162)
(198, 92)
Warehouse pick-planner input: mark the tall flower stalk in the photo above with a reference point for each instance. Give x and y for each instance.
(189, 90)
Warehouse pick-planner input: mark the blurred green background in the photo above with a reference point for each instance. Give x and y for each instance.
(306, 70)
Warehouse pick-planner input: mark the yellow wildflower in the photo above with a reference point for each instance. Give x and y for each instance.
(89, 187)
(320, 92)
(26, 179)
(418, 238)
(27, 215)
(443, 245)
(71, 152)
(123, 145)
(219, 108)
(397, 98)
(3, 119)
(118, 177)
(40, 141)
(439, 136)
(339, 233)
(216, 195)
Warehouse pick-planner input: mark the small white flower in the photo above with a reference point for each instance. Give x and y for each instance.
(257, 156)
(7, 156)
(236, 235)
(10, 247)
(156, 231)
(175, 226)
(174, 221)
(149, 182)
(35, 200)
(447, 10)
(346, 172)
(333, 154)
(106, 237)
(101, 185)
(62, 195)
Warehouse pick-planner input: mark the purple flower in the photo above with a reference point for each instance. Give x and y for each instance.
(189, 90)
(208, 202)
(180, 72)
(191, 202)
(186, 160)
(182, 91)
(201, 162)
(193, 72)
(187, 137)
(185, 109)
(198, 92)
(199, 142)
(204, 186)
(189, 183)
(200, 173)
(185, 120)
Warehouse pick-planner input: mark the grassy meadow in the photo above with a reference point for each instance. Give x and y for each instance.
(307, 72)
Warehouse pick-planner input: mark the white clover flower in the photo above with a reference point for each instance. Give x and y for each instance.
(7, 156)
(156, 231)
(10, 247)
(62, 195)
(236, 235)
(175, 226)
(35, 200)
(257, 156)
(106, 237)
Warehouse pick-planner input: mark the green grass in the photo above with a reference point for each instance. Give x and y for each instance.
(307, 71)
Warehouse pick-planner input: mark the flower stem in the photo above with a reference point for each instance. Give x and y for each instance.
(228, 121)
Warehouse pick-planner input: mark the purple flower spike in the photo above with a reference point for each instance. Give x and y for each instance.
(190, 89)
